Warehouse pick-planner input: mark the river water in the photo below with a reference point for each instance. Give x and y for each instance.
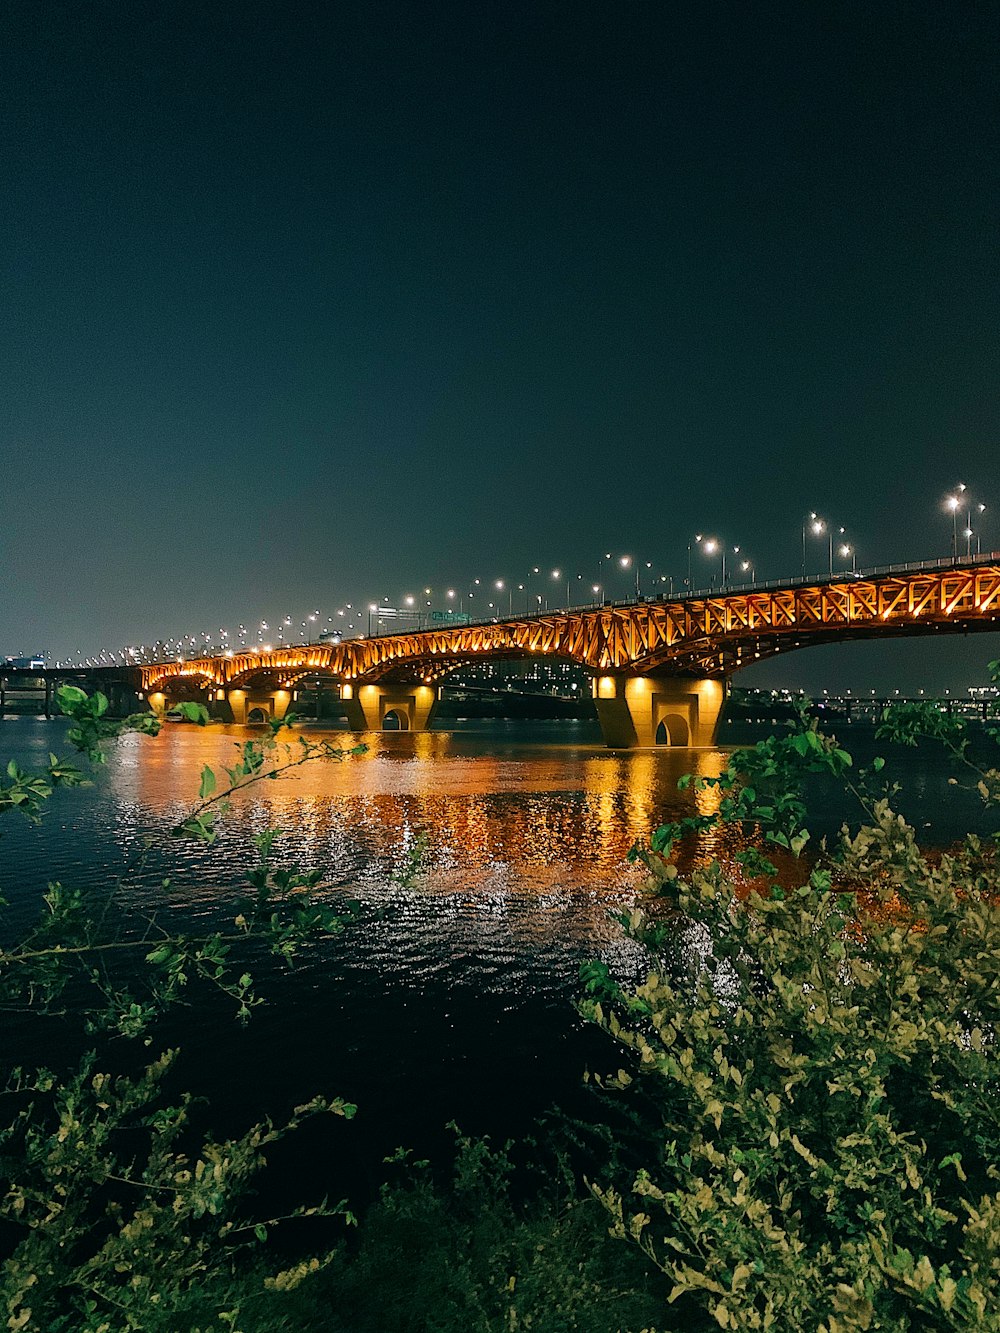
(454, 996)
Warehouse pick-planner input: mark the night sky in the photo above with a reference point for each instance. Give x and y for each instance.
(312, 303)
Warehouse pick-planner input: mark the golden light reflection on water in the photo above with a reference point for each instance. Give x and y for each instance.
(522, 819)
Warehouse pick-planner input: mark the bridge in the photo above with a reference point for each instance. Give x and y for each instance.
(660, 667)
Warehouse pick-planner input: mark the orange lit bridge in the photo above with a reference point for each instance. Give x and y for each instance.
(660, 668)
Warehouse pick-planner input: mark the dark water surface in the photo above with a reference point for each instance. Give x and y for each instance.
(453, 999)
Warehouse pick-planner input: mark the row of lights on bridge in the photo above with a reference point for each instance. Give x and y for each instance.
(357, 620)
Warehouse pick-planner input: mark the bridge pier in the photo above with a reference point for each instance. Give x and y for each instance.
(389, 707)
(657, 710)
(246, 705)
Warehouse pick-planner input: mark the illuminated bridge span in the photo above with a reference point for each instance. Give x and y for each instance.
(660, 668)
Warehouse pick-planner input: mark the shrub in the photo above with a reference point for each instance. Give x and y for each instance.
(118, 1215)
(818, 1064)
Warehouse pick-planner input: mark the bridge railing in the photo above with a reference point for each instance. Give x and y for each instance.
(712, 590)
(737, 589)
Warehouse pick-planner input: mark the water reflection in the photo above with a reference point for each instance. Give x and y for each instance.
(530, 820)
(455, 995)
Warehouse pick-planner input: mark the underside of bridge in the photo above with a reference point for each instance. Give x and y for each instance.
(632, 710)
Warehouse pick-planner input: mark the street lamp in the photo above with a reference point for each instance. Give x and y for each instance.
(846, 551)
(809, 524)
(710, 545)
(602, 580)
(954, 503)
(532, 573)
(817, 526)
(626, 563)
(697, 539)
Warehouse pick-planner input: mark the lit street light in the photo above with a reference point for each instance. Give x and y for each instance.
(627, 563)
(697, 540)
(527, 585)
(954, 503)
(710, 546)
(809, 523)
(818, 526)
(602, 579)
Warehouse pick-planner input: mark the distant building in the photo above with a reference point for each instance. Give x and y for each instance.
(524, 675)
(27, 663)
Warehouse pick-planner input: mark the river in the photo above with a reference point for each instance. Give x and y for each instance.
(454, 996)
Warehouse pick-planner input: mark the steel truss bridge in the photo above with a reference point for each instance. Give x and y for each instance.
(660, 668)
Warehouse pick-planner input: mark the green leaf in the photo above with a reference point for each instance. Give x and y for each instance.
(207, 782)
(191, 712)
(70, 697)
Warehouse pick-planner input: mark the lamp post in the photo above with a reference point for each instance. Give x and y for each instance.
(710, 546)
(970, 532)
(602, 579)
(846, 551)
(954, 503)
(532, 573)
(697, 539)
(557, 574)
(809, 523)
(962, 500)
(817, 526)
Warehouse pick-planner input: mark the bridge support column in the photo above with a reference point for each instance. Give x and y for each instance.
(256, 705)
(392, 707)
(657, 710)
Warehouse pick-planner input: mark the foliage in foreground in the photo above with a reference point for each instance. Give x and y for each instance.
(118, 1214)
(473, 1255)
(811, 1077)
(818, 1065)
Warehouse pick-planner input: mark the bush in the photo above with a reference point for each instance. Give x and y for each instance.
(818, 1064)
(119, 1215)
(809, 1104)
(469, 1257)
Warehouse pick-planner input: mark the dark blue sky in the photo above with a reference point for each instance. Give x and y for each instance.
(305, 304)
